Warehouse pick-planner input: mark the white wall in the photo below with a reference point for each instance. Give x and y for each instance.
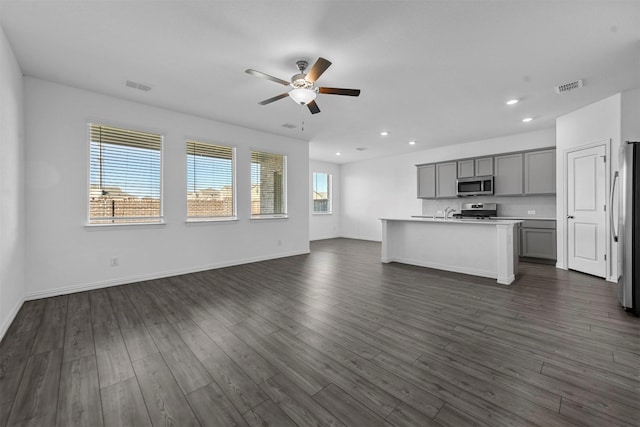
(12, 185)
(64, 255)
(387, 187)
(597, 122)
(630, 116)
(325, 226)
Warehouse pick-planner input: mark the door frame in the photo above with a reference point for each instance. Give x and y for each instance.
(565, 204)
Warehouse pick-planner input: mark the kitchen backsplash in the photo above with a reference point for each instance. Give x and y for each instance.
(544, 206)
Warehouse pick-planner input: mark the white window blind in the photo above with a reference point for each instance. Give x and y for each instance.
(210, 189)
(125, 176)
(268, 189)
(321, 192)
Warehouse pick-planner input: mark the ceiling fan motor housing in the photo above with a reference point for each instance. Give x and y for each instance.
(298, 81)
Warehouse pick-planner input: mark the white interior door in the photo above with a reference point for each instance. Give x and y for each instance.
(586, 215)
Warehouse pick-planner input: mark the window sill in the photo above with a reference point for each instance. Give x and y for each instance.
(211, 220)
(322, 213)
(160, 224)
(268, 217)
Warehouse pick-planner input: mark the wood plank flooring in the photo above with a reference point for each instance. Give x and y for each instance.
(333, 338)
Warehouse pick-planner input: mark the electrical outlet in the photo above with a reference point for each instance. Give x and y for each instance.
(439, 212)
(115, 261)
(531, 211)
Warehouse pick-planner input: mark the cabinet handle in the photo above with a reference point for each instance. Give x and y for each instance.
(569, 216)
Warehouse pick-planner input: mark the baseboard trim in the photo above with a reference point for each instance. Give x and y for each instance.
(151, 276)
(11, 317)
(346, 236)
(445, 267)
(325, 238)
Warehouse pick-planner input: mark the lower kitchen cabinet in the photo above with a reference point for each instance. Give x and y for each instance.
(538, 239)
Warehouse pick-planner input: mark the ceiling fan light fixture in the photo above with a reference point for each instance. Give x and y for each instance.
(302, 96)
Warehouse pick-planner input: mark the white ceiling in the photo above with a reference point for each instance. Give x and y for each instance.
(437, 72)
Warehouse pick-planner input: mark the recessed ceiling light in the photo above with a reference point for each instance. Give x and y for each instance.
(512, 102)
(384, 133)
(338, 153)
(528, 119)
(412, 143)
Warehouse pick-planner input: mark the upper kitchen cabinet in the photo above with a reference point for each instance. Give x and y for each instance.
(484, 166)
(508, 175)
(475, 167)
(446, 174)
(427, 181)
(540, 172)
(515, 174)
(466, 168)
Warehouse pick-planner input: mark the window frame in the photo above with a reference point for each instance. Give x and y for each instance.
(154, 221)
(234, 216)
(329, 210)
(285, 204)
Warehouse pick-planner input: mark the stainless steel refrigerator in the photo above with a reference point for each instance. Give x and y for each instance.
(627, 232)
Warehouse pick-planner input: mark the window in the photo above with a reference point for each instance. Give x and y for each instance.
(268, 189)
(210, 189)
(124, 176)
(321, 193)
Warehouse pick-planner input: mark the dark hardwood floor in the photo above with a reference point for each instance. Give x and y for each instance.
(331, 338)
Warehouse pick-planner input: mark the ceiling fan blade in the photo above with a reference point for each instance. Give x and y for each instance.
(266, 76)
(318, 68)
(313, 107)
(275, 98)
(338, 91)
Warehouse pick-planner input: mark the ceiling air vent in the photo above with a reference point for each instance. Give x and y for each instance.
(361, 148)
(568, 86)
(139, 86)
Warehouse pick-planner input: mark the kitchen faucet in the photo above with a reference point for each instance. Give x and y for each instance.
(448, 211)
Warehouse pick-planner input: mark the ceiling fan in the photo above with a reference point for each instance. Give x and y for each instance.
(303, 90)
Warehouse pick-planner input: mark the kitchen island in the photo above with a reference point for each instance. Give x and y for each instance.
(481, 247)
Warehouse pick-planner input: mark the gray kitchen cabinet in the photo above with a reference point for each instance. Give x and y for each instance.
(508, 175)
(540, 172)
(426, 181)
(538, 239)
(484, 166)
(475, 167)
(466, 168)
(446, 174)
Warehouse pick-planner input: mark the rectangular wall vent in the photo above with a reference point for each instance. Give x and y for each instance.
(139, 86)
(568, 86)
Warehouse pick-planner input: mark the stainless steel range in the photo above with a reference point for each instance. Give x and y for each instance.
(478, 211)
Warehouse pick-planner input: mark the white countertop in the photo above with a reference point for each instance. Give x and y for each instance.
(456, 220)
(537, 218)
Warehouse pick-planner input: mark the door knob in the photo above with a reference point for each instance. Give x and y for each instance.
(569, 216)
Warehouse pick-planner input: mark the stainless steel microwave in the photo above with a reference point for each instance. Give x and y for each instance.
(474, 186)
